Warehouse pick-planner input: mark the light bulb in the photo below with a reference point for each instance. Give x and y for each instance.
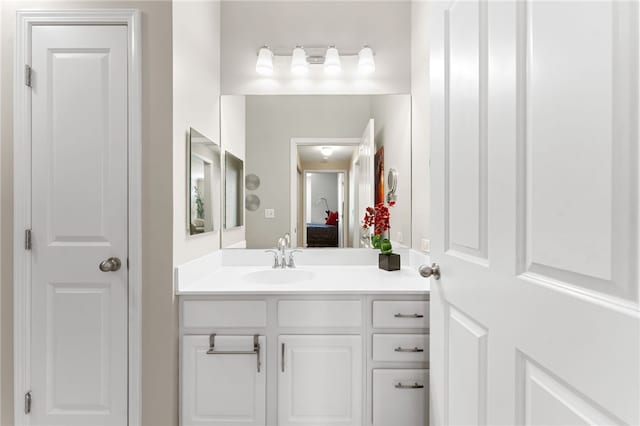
(332, 61)
(264, 65)
(299, 64)
(366, 63)
(326, 151)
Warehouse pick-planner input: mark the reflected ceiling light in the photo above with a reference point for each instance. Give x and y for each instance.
(264, 66)
(366, 63)
(326, 151)
(332, 63)
(299, 64)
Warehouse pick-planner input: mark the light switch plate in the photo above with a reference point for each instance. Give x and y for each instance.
(425, 244)
(269, 213)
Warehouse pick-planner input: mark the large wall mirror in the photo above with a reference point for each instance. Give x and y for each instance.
(204, 184)
(321, 160)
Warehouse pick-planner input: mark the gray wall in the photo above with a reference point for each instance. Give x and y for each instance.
(392, 115)
(321, 185)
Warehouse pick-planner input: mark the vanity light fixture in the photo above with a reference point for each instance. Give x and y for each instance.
(332, 65)
(326, 151)
(302, 59)
(264, 66)
(366, 63)
(299, 64)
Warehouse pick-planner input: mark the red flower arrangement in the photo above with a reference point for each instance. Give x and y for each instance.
(378, 217)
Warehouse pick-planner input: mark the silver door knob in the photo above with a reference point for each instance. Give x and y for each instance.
(430, 271)
(112, 264)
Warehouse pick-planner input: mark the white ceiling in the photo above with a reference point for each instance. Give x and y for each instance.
(312, 154)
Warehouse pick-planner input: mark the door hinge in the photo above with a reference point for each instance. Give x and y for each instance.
(27, 402)
(27, 75)
(27, 239)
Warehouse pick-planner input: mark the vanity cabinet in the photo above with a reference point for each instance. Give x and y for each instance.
(320, 380)
(223, 380)
(348, 360)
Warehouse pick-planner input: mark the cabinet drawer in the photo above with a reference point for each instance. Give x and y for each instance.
(401, 347)
(224, 313)
(400, 397)
(320, 313)
(401, 314)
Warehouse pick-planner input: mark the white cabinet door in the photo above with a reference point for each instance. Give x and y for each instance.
(399, 397)
(534, 166)
(78, 373)
(222, 389)
(320, 380)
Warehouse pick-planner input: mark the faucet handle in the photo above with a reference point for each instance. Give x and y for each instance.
(292, 263)
(276, 263)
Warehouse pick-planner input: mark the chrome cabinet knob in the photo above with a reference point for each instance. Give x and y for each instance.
(430, 271)
(112, 264)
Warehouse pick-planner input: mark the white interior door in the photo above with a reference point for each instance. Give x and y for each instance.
(534, 167)
(364, 178)
(79, 219)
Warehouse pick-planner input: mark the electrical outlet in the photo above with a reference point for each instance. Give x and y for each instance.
(400, 237)
(425, 245)
(269, 213)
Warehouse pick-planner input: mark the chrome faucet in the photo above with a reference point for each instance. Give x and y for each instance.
(291, 263)
(276, 262)
(280, 255)
(282, 247)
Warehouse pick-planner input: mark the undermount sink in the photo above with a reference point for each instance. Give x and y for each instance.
(278, 276)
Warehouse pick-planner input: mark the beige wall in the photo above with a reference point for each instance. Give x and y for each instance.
(159, 318)
(421, 185)
(196, 92)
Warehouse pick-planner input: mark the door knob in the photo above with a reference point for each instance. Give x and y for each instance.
(112, 264)
(430, 271)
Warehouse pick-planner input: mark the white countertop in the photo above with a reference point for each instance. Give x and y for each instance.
(226, 274)
(358, 279)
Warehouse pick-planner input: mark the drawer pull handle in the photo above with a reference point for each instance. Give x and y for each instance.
(399, 385)
(401, 349)
(256, 349)
(399, 315)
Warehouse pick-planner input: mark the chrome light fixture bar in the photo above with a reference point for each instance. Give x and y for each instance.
(302, 58)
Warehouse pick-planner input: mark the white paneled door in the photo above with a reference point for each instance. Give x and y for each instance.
(79, 222)
(364, 176)
(534, 133)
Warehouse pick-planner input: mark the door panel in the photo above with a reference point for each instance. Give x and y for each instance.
(543, 327)
(575, 218)
(79, 219)
(466, 226)
(467, 372)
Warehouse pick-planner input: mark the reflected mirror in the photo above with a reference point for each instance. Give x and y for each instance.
(204, 184)
(233, 184)
(322, 160)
